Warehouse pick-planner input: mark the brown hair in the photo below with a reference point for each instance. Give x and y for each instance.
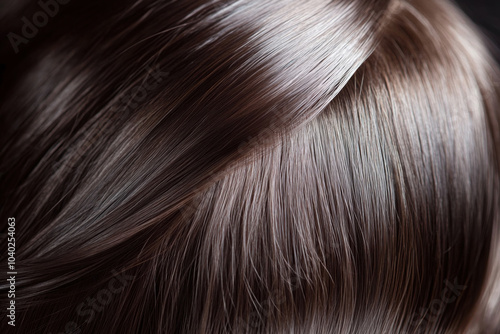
(250, 167)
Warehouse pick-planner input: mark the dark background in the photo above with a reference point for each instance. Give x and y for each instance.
(486, 14)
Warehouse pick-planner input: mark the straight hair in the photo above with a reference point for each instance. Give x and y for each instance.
(237, 166)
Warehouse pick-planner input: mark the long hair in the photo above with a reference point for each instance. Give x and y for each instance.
(237, 166)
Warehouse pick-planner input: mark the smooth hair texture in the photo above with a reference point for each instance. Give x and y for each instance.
(250, 166)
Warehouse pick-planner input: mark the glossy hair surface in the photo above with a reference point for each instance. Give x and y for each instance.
(251, 167)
